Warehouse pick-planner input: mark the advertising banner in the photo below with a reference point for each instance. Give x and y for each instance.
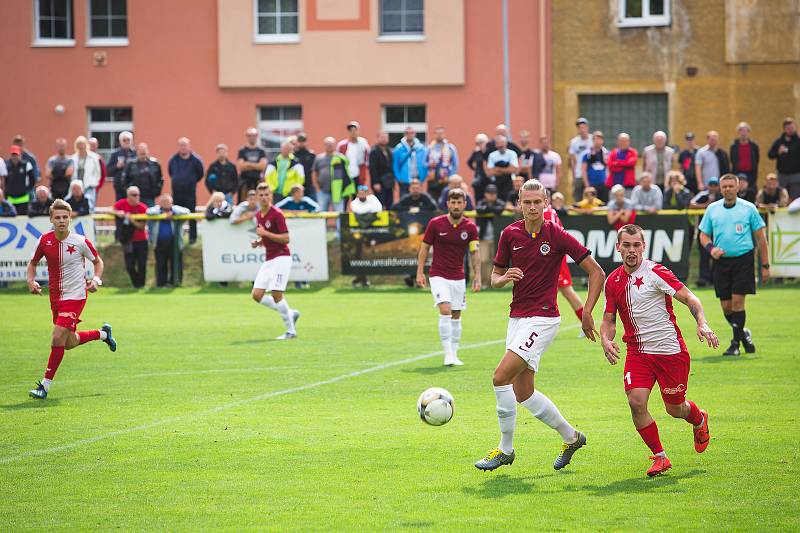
(386, 245)
(228, 256)
(784, 245)
(19, 237)
(668, 241)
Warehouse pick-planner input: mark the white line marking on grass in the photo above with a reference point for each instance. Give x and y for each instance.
(238, 403)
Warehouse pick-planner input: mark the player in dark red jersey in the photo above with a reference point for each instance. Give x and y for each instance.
(450, 235)
(641, 291)
(274, 272)
(66, 253)
(529, 254)
(564, 275)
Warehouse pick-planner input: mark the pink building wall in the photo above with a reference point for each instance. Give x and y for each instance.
(168, 74)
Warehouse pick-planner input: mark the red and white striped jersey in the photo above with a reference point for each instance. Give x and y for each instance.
(550, 214)
(643, 300)
(66, 264)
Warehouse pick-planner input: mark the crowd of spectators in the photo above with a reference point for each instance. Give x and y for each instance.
(350, 175)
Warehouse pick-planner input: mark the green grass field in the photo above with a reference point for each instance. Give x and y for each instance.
(199, 422)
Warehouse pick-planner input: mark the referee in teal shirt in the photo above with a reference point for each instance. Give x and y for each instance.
(730, 229)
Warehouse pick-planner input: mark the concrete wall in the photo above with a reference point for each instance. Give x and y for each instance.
(591, 55)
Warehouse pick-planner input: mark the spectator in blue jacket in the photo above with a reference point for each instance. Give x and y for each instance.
(164, 237)
(409, 160)
(298, 201)
(186, 170)
(442, 161)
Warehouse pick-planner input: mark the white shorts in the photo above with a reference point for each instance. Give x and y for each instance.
(529, 337)
(274, 274)
(452, 291)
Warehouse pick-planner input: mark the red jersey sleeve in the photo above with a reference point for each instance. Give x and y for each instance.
(280, 224)
(473, 232)
(611, 303)
(569, 245)
(666, 280)
(502, 258)
(430, 232)
(89, 251)
(38, 253)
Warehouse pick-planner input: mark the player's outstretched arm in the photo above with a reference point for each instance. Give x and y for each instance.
(704, 332)
(596, 279)
(608, 330)
(422, 258)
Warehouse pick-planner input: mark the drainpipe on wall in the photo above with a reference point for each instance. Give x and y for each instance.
(506, 75)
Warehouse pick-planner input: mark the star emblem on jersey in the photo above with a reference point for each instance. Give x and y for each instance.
(544, 249)
(639, 281)
(71, 249)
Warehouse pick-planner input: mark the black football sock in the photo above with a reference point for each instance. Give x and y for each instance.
(737, 323)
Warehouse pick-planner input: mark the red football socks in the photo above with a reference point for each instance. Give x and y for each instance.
(56, 355)
(695, 417)
(579, 313)
(87, 336)
(649, 435)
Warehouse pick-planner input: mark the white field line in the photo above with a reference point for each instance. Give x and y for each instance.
(230, 405)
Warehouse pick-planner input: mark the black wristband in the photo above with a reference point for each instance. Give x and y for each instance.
(709, 247)
(765, 265)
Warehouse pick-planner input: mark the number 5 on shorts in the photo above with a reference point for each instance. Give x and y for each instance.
(530, 341)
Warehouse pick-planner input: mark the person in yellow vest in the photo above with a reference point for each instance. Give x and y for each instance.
(284, 172)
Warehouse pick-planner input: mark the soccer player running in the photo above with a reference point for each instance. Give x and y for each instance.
(66, 252)
(274, 272)
(529, 255)
(641, 291)
(729, 230)
(450, 235)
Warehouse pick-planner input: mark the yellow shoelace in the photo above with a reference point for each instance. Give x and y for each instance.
(494, 453)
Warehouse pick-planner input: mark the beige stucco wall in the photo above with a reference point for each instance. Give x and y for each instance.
(591, 55)
(341, 58)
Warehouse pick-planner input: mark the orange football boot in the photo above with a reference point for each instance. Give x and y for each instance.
(701, 434)
(660, 465)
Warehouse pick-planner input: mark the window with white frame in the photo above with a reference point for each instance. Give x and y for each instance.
(106, 123)
(53, 22)
(402, 18)
(396, 118)
(108, 21)
(643, 13)
(276, 21)
(276, 124)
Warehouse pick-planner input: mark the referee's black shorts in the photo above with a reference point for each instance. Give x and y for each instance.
(734, 275)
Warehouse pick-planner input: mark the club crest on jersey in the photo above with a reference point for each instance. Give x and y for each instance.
(267, 224)
(544, 249)
(739, 228)
(464, 235)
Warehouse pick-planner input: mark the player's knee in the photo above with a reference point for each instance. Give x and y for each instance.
(277, 296)
(637, 403)
(257, 295)
(674, 410)
(59, 336)
(455, 315)
(499, 378)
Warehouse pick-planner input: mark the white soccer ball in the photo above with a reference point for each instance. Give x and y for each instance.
(435, 406)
